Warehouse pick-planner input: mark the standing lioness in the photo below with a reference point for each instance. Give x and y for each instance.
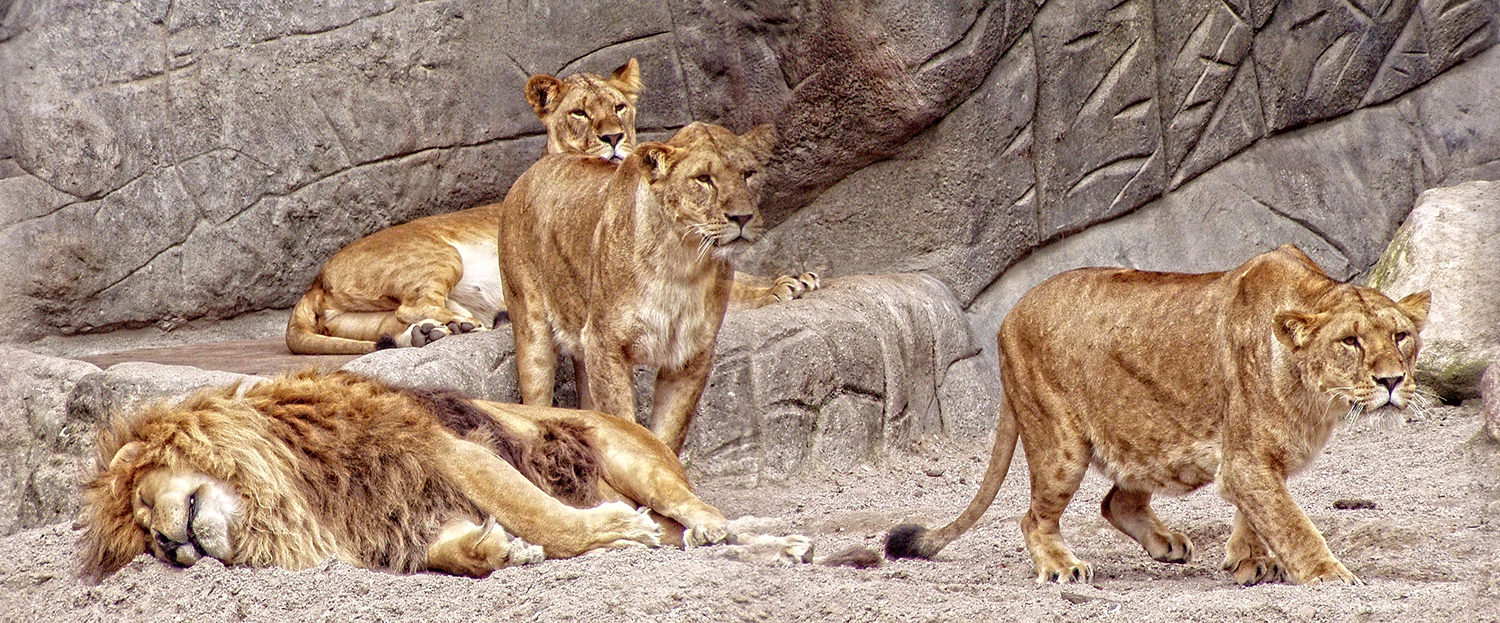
(1169, 381)
(630, 265)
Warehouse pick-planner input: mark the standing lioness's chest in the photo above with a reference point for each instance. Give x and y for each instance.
(673, 320)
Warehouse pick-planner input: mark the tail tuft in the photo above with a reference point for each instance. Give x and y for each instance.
(857, 557)
(905, 541)
(385, 342)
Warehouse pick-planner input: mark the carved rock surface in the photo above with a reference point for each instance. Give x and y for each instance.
(1448, 245)
(863, 365)
(1276, 192)
(167, 161)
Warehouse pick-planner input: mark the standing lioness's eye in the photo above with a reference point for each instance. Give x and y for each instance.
(1402, 335)
(1351, 341)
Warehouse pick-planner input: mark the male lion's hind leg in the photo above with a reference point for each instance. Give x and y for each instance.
(1130, 511)
(1247, 559)
(466, 549)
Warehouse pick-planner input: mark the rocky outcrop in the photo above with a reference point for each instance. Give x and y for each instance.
(836, 378)
(1448, 245)
(39, 459)
(165, 161)
(50, 410)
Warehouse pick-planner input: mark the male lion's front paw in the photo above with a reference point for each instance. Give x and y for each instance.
(788, 287)
(1256, 570)
(523, 553)
(793, 549)
(618, 525)
(706, 533)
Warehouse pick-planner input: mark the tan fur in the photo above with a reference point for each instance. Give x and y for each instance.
(1167, 382)
(436, 276)
(291, 472)
(630, 265)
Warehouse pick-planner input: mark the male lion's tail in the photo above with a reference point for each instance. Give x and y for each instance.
(914, 541)
(302, 335)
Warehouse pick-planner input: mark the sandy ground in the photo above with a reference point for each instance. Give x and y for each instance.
(1430, 551)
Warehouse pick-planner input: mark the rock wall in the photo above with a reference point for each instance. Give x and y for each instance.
(167, 160)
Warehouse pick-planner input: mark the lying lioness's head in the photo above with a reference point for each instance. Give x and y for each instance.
(705, 177)
(588, 113)
(1358, 345)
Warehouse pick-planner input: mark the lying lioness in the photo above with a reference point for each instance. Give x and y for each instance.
(1169, 381)
(305, 467)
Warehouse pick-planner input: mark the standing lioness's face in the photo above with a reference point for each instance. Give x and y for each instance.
(708, 179)
(587, 113)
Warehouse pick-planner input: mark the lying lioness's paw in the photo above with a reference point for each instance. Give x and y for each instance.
(422, 333)
(459, 326)
(787, 287)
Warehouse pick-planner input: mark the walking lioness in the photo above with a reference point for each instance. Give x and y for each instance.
(1169, 381)
(630, 265)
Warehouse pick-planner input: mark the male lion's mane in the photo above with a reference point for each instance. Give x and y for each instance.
(326, 465)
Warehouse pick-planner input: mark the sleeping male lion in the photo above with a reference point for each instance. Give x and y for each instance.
(1169, 381)
(630, 265)
(309, 466)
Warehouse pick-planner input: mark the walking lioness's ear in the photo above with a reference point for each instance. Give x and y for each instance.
(656, 159)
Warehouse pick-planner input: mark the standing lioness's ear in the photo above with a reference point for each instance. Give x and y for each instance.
(656, 159)
(760, 140)
(543, 92)
(627, 78)
(1416, 307)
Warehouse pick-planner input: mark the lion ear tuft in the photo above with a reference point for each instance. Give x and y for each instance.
(126, 455)
(656, 159)
(1294, 329)
(543, 92)
(627, 78)
(760, 140)
(1416, 307)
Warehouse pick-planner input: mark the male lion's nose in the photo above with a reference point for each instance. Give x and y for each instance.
(1390, 382)
(740, 219)
(612, 139)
